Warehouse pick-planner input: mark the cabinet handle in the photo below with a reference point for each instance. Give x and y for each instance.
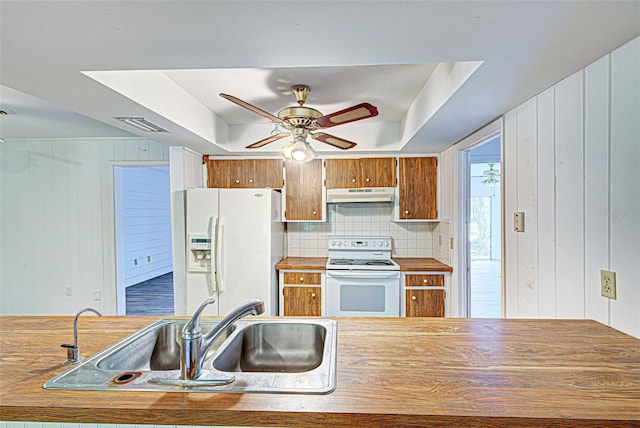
(302, 279)
(367, 180)
(353, 180)
(406, 212)
(251, 180)
(315, 213)
(414, 298)
(237, 181)
(313, 295)
(425, 280)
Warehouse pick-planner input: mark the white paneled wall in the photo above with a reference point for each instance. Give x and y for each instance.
(364, 219)
(57, 222)
(572, 164)
(146, 222)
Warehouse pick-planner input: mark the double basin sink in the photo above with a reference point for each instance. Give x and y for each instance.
(270, 356)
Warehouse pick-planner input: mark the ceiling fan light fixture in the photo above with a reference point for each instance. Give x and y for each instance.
(299, 151)
(311, 154)
(286, 150)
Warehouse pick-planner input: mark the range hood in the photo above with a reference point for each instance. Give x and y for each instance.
(368, 194)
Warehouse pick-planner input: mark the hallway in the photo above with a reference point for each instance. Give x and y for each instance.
(152, 297)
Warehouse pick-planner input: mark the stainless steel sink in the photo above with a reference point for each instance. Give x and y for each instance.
(273, 356)
(273, 347)
(155, 348)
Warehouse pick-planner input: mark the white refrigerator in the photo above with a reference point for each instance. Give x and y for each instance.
(235, 237)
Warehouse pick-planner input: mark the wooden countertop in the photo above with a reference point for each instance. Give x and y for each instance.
(391, 372)
(421, 264)
(302, 263)
(418, 264)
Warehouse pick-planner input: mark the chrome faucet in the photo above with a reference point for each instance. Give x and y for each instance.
(73, 351)
(194, 346)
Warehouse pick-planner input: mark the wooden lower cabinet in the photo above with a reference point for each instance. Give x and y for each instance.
(425, 303)
(302, 301)
(301, 293)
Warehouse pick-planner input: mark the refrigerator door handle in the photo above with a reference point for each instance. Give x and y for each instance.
(219, 261)
(213, 267)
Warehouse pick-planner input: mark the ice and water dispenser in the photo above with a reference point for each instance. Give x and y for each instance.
(199, 252)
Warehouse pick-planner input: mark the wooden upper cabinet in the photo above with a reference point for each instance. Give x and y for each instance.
(378, 172)
(303, 191)
(366, 172)
(418, 188)
(267, 173)
(342, 173)
(243, 173)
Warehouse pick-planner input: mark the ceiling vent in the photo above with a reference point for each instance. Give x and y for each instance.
(142, 124)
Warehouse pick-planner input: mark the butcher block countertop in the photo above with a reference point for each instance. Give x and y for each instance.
(302, 263)
(418, 264)
(391, 372)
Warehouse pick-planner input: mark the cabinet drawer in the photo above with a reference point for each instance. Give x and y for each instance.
(301, 278)
(424, 303)
(424, 280)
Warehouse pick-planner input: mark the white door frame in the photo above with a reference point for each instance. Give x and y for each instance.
(459, 220)
(117, 265)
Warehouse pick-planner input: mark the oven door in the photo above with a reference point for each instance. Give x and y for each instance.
(362, 293)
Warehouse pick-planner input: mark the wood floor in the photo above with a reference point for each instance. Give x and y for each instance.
(485, 289)
(152, 297)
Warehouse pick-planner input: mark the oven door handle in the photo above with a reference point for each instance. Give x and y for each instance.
(363, 275)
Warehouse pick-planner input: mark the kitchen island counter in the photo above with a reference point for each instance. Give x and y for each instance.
(391, 372)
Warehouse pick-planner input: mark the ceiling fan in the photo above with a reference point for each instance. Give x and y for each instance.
(301, 121)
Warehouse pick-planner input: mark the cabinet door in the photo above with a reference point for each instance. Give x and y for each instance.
(245, 173)
(424, 303)
(378, 172)
(343, 173)
(267, 173)
(301, 301)
(303, 190)
(223, 173)
(418, 187)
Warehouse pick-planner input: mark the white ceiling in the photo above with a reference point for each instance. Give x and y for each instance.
(181, 54)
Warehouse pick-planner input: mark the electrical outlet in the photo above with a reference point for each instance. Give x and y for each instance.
(97, 295)
(68, 291)
(439, 239)
(608, 284)
(451, 243)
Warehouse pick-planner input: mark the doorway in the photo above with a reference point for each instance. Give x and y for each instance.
(142, 214)
(483, 224)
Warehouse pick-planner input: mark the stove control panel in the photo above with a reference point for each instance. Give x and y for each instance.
(359, 243)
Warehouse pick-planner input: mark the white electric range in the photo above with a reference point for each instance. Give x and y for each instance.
(361, 277)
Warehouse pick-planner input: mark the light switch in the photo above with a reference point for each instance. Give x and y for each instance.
(518, 221)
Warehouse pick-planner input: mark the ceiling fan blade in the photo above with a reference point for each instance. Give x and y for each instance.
(332, 140)
(252, 108)
(351, 114)
(267, 140)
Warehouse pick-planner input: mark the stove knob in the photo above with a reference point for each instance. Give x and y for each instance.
(332, 243)
(386, 243)
(380, 243)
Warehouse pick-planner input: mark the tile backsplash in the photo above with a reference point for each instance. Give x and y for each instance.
(361, 219)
